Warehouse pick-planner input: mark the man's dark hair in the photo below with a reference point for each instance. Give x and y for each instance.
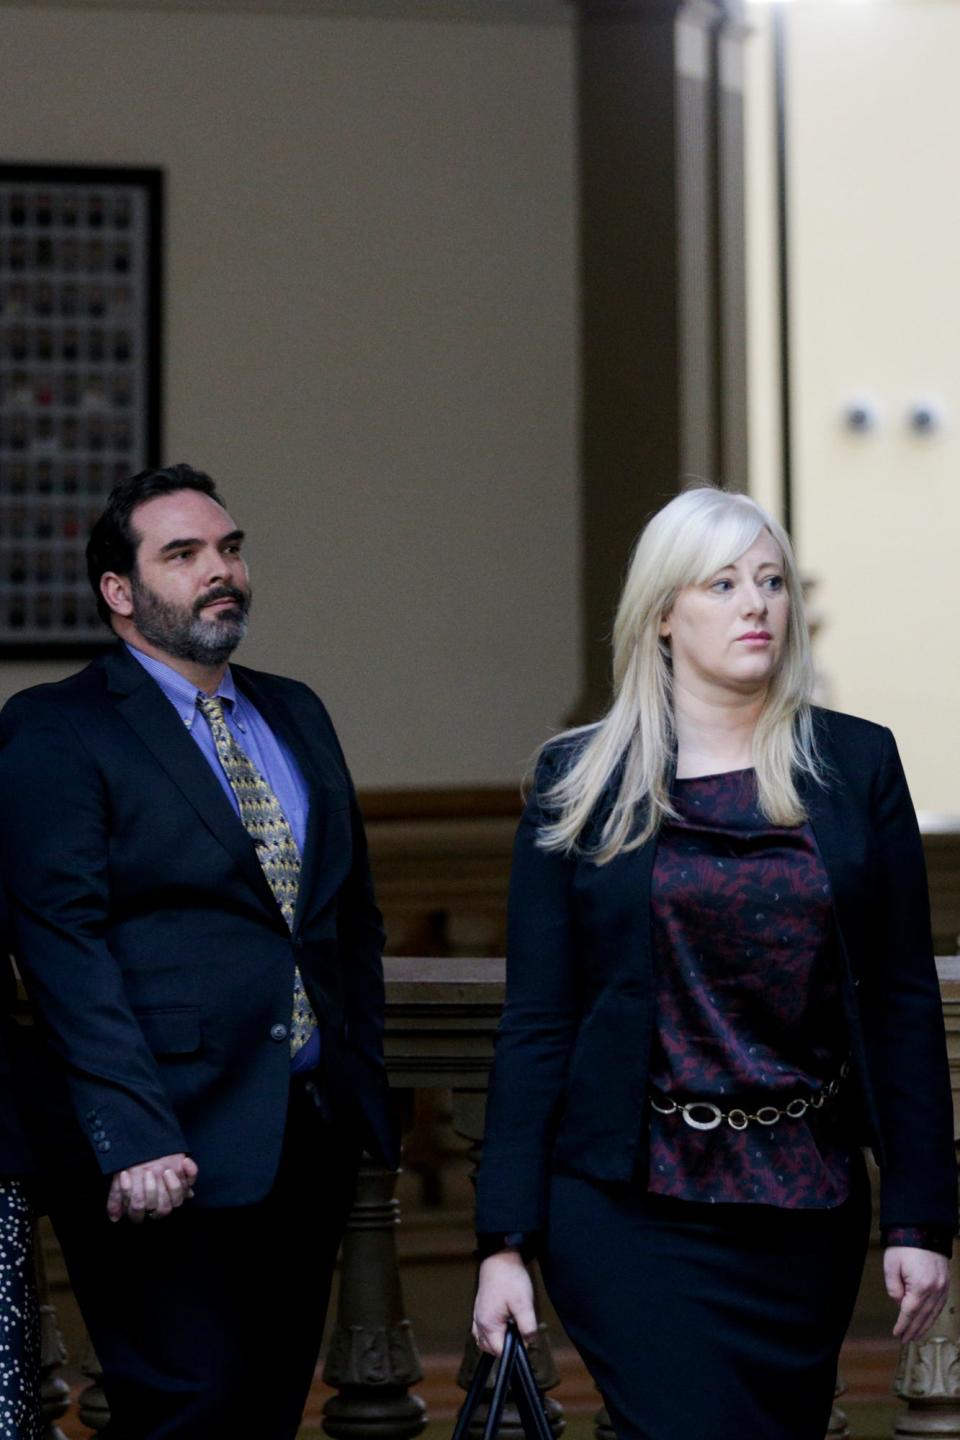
(113, 541)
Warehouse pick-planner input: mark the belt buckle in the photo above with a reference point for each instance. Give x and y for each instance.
(716, 1115)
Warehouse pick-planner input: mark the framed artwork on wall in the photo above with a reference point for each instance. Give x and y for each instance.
(80, 355)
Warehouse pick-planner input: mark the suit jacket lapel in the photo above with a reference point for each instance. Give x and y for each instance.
(148, 712)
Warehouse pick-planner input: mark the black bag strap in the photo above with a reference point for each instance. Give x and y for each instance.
(477, 1386)
(501, 1385)
(514, 1376)
(529, 1401)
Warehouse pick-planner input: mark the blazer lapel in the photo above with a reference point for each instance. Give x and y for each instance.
(148, 712)
(840, 839)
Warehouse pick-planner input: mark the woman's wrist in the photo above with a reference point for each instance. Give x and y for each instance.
(517, 1242)
(918, 1237)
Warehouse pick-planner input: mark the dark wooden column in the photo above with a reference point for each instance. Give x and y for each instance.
(731, 36)
(661, 182)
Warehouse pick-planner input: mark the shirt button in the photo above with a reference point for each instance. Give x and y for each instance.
(278, 1032)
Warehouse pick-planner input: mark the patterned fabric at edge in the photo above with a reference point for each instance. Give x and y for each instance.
(747, 1002)
(19, 1319)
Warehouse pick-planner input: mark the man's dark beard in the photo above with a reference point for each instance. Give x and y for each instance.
(181, 631)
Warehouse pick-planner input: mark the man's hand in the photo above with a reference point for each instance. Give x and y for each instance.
(151, 1190)
(919, 1279)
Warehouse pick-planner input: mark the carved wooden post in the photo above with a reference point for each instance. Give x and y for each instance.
(468, 1116)
(92, 1407)
(372, 1359)
(838, 1428)
(54, 1391)
(928, 1376)
(601, 1425)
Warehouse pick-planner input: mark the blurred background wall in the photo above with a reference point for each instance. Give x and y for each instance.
(873, 123)
(374, 314)
(371, 335)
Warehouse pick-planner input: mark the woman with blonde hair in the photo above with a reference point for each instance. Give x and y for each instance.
(720, 985)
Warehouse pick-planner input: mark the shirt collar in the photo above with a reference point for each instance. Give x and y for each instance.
(178, 690)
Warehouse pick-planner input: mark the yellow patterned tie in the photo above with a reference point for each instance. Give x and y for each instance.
(269, 829)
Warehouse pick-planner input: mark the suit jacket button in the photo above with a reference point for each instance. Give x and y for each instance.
(278, 1032)
(99, 1134)
(103, 1146)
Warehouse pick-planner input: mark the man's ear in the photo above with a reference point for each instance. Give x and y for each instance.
(117, 592)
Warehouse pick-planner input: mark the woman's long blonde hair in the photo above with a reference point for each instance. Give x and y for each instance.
(698, 533)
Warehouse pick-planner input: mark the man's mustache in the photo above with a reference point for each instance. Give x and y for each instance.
(223, 592)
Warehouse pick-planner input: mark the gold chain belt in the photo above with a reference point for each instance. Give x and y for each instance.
(705, 1115)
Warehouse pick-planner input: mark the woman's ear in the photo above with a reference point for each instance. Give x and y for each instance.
(664, 628)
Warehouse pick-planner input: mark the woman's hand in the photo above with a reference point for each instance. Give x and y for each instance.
(505, 1290)
(919, 1279)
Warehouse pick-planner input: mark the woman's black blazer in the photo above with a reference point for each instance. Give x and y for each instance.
(568, 1088)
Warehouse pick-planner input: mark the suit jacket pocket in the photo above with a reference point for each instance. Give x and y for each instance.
(171, 1030)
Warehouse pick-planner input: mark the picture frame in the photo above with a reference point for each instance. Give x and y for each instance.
(80, 383)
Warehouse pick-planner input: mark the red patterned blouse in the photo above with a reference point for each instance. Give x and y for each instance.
(748, 1008)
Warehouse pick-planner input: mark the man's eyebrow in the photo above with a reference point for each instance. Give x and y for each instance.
(231, 539)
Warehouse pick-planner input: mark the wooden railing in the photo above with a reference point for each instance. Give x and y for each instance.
(441, 861)
(441, 1019)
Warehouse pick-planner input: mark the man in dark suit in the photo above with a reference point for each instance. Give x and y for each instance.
(194, 917)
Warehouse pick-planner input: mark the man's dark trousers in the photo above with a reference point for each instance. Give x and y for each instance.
(208, 1323)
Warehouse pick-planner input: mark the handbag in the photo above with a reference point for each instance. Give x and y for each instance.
(514, 1377)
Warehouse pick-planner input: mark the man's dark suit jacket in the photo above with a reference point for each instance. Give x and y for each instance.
(15, 1155)
(569, 1083)
(157, 959)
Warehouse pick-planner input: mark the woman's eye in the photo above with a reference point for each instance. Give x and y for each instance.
(774, 582)
(722, 585)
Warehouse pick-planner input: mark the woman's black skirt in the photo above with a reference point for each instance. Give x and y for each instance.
(706, 1322)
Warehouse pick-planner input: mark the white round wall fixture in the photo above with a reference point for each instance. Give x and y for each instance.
(861, 414)
(925, 417)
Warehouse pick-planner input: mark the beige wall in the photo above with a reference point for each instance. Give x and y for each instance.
(874, 117)
(372, 337)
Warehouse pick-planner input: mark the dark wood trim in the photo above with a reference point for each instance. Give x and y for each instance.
(452, 802)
